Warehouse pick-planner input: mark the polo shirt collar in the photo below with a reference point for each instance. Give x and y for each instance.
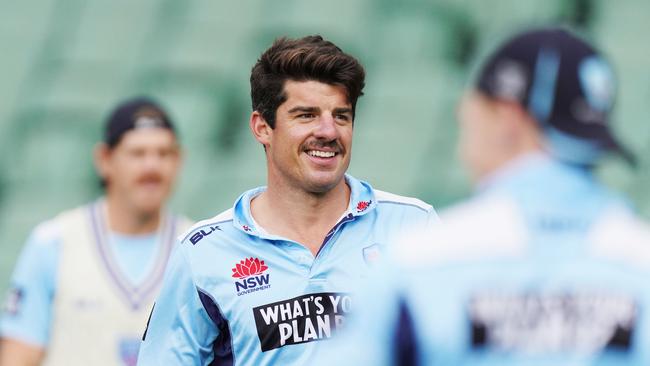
(362, 201)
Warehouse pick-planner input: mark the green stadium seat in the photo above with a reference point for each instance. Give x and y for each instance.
(53, 146)
(209, 48)
(88, 85)
(23, 29)
(112, 31)
(336, 18)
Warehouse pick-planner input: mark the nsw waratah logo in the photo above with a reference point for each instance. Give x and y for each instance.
(250, 272)
(363, 205)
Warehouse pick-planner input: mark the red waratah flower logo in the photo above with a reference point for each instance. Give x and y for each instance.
(363, 205)
(249, 267)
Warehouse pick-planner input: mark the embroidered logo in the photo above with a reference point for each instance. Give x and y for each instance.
(13, 302)
(200, 234)
(246, 228)
(371, 254)
(128, 349)
(250, 272)
(363, 205)
(249, 267)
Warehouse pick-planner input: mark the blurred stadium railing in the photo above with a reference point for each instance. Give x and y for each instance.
(65, 63)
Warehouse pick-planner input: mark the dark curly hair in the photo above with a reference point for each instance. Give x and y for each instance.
(307, 58)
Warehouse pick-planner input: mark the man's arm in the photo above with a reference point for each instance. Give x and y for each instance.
(26, 313)
(180, 330)
(17, 353)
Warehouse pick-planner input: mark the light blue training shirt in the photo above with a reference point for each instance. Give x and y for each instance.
(27, 313)
(235, 295)
(542, 267)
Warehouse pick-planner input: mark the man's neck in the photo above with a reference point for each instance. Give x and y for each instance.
(300, 216)
(124, 219)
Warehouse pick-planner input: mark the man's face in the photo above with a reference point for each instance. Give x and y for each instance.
(310, 146)
(142, 168)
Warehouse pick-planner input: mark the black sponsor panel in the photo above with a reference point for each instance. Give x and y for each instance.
(552, 322)
(302, 319)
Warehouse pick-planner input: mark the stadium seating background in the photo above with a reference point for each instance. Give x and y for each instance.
(65, 63)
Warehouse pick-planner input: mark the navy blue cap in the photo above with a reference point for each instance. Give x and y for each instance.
(135, 113)
(565, 85)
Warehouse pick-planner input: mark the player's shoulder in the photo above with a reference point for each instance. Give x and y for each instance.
(476, 211)
(74, 215)
(182, 223)
(46, 233)
(478, 228)
(212, 224)
(387, 198)
(619, 234)
(49, 231)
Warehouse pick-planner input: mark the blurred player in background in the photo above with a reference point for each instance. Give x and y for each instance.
(86, 280)
(261, 283)
(543, 266)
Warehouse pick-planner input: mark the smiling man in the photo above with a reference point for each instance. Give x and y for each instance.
(263, 282)
(86, 280)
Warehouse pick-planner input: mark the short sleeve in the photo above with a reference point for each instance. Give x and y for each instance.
(27, 311)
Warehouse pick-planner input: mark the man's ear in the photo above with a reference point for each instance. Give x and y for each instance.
(518, 126)
(260, 128)
(101, 157)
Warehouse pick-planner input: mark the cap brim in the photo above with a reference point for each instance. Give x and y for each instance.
(613, 145)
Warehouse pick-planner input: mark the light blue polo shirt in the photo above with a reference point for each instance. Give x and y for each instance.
(233, 294)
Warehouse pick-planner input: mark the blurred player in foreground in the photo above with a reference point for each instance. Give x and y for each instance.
(543, 266)
(86, 280)
(263, 282)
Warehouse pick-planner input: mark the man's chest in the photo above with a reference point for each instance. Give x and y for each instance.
(283, 295)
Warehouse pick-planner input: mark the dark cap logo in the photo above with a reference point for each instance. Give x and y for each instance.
(148, 117)
(510, 80)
